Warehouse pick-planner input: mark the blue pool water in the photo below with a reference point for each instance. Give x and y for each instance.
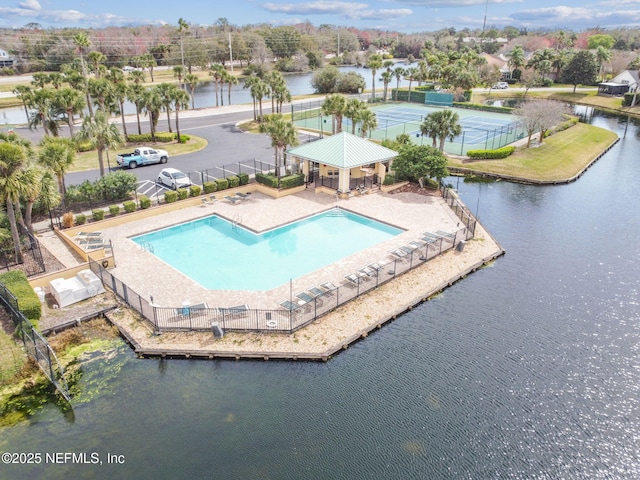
(222, 256)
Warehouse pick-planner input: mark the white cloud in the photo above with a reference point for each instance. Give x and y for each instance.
(576, 17)
(451, 3)
(314, 8)
(353, 11)
(30, 5)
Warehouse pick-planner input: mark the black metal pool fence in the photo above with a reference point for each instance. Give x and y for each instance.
(205, 317)
(34, 343)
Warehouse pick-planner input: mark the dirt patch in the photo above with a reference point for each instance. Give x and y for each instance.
(415, 188)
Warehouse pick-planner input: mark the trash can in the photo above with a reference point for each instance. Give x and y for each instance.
(217, 330)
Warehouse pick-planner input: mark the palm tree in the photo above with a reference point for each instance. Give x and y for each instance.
(24, 93)
(178, 72)
(448, 125)
(516, 59)
(32, 177)
(249, 82)
(180, 101)
(12, 159)
(152, 104)
(335, 106)
(135, 94)
(57, 154)
(282, 134)
(101, 134)
(386, 79)
(374, 63)
(368, 121)
(352, 110)
(230, 80)
(137, 77)
(81, 40)
(191, 80)
(44, 112)
(183, 28)
(166, 92)
(99, 89)
(119, 92)
(603, 55)
(97, 60)
(71, 102)
(398, 72)
(411, 74)
(215, 72)
(429, 128)
(259, 90)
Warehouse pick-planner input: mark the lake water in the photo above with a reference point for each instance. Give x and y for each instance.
(527, 369)
(205, 93)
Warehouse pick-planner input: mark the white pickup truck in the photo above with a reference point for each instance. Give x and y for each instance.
(142, 156)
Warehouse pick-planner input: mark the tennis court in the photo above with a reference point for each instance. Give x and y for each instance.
(480, 130)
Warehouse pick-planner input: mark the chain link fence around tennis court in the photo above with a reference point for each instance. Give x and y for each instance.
(480, 130)
(300, 310)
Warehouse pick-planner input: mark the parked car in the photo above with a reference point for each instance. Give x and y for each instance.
(142, 156)
(501, 85)
(173, 178)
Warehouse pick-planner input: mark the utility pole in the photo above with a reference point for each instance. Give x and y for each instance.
(230, 53)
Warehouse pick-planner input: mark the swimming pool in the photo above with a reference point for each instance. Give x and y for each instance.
(221, 255)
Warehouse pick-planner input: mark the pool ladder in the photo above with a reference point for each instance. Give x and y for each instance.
(236, 220)
(147, 247)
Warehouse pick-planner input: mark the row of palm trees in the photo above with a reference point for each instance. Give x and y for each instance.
(339, 107)
(272, 85)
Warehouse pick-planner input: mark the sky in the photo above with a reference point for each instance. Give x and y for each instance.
(406, 16)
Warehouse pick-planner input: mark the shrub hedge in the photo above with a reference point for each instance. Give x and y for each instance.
(503, 152)
(162, 137)
(114, 210)
(210, 187)
(28, 301)
(81, 219)
(195, 190)
(145, 202)
(222, 184)
(234, 181)
(183, 193)
(291, 181)
(244, 178)
(97, 215)
(129, 206)
(170, 196)
(267, 179)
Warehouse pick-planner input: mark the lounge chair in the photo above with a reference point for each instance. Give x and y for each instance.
(233, 311)
(399, 253)
(243, 196)
(89, 234)
(450, 236)
(352, 278)
(317, 292)
(197, 309)
(367, 272)
(232, 199)
(212, 199)
(329, 287)
(288, 305)
(205, 202)
(304, 296)
(377, 266)
(408, 249)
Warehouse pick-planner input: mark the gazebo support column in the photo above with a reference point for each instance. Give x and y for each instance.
(343, 181)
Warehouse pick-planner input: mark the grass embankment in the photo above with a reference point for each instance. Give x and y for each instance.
(560, 157)
(582, 97)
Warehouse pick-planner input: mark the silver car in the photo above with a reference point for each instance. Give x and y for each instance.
(173, 178)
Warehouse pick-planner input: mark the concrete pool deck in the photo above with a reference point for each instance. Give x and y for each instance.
(415, 213)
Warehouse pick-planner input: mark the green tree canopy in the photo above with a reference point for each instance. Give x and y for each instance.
(581, 69)
(284, 42)
(417, 162)
(600, 40)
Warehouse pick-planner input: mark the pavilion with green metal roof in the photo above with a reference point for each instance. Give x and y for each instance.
(343, 155)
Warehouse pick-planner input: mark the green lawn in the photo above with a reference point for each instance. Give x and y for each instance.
(12, 359)
(556, 159)
(89, 160)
